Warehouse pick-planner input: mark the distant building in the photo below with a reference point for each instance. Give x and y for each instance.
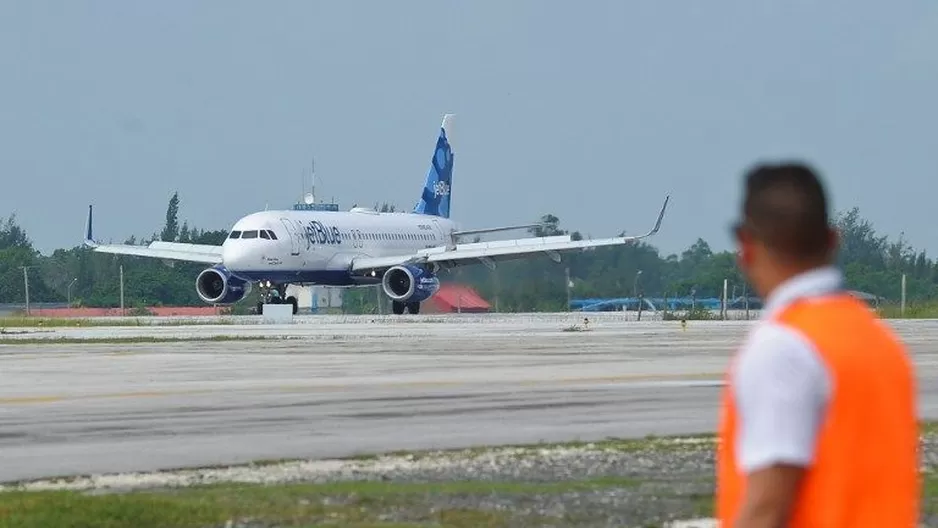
(456, 298)
(311, 299)
(619, 304)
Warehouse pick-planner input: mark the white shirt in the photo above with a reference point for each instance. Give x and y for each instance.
(781, 385)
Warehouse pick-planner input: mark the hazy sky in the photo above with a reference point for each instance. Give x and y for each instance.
(590, 110)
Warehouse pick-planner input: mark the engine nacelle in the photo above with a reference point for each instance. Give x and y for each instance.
(409, 284)
(217, 285)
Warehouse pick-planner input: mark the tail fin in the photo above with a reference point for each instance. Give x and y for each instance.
(89, 236)
(436, 191)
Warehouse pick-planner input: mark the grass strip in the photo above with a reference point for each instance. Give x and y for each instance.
(70, 322)
(335, 504)
(129, 340)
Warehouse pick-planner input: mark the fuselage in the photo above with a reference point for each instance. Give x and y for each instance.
(316, 247)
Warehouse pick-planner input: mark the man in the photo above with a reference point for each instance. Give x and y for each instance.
(818, 423)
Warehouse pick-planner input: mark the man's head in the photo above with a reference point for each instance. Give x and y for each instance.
(784, 229)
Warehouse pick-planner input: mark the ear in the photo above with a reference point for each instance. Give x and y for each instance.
(744, 254)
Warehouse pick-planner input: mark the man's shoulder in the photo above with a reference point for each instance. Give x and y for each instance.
(836, 333)
(774, 354)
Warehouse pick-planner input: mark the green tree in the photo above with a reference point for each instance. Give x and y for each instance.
(17, 253)
(171, 228)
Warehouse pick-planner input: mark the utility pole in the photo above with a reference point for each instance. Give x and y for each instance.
(122, 289)
(69, 290)
(26, 285)
(568, 284)
(723, 303)
(902, 306)
(641, 304)
(497, 286)
(746, 296)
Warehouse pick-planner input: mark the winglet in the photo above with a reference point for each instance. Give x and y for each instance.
(655, 229)
(89, 236)
(661, 215)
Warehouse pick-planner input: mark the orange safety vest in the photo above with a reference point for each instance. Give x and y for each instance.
(865, 471)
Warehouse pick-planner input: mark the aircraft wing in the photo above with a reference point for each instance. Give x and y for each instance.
(490, 252)
(161, 250)
(164, 250)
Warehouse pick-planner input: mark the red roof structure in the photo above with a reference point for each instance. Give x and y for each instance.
(453, 298)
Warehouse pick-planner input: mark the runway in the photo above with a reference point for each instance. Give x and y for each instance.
(347, 386)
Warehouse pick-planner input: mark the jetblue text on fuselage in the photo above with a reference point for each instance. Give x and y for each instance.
(315, 232)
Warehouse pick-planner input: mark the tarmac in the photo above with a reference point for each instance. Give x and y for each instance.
(349, 386)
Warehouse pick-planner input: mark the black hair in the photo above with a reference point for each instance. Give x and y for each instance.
(785, 207)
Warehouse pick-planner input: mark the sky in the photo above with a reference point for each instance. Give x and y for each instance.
(592, 110)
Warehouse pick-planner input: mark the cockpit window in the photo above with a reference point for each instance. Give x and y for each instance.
(249, 234)
(235, 234)
(264, 234)
(273, 236)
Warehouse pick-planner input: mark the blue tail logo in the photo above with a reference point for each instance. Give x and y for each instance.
(436, 191)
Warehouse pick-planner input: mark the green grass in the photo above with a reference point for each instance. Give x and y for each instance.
(918, 310)
(356, 503)
(351, 504)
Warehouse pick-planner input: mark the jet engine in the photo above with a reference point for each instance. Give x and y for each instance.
(217, 285)
(409, 284)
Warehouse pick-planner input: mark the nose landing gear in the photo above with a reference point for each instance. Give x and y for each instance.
(275, 294)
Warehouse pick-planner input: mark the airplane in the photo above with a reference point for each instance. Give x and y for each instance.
(404, 252)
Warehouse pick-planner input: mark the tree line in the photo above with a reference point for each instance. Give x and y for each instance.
(872, 263)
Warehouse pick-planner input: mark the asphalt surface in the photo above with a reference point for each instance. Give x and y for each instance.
(353, 386)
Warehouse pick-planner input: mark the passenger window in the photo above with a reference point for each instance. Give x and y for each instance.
(249, 234)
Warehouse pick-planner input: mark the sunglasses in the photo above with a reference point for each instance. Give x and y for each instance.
(740, 228)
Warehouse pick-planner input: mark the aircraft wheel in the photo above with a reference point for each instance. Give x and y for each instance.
(413, 307)
(259, 309)
(397, 307)
(296, 305)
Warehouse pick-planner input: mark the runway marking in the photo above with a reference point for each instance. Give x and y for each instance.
(58, 398)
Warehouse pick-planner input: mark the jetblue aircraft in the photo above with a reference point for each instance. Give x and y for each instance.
(403, 252)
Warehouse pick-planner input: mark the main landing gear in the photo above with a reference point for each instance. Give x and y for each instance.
(275, 294)
(398, 307)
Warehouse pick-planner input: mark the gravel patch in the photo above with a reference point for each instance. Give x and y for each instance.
(622, 483)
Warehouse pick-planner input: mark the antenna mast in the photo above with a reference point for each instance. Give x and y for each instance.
(309, 198)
